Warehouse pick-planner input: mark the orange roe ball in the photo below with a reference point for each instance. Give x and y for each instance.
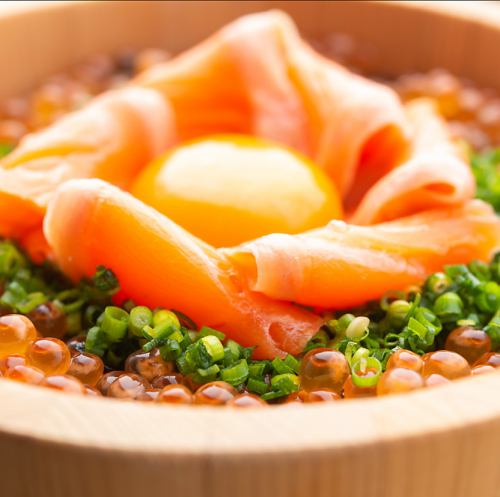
(405, 359)
(352, 391)
(49, 320)
(175, 394)
(148, 364)
(446, 363)
(16, 334)
(491, 358)
(482, 368)
(128, 386)
(435, 380)
(51, 355)
(320, 395)
(88, 368)
(244, 400)
(25, 374)
(92, 391)
(469, 342)
(11, 361)
(150, 395)
(215, 393)
(399, 380)
(64, 383)
(324, 368)
(168, 379)
(77, 344)
(107, 380)
(293, 398)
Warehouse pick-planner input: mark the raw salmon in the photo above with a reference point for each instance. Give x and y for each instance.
(341, 265)
(90, 222)
(256, 76)
(435, 174)
(112, 138)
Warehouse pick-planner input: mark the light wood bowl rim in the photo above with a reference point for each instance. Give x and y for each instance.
(101, 424)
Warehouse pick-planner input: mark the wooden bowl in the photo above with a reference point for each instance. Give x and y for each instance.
(442, 441)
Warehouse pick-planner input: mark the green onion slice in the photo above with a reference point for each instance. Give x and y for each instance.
(359, 371)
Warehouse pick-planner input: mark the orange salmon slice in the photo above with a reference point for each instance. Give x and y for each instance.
(90, 222)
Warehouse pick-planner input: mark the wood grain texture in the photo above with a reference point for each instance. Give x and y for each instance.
(441, 442)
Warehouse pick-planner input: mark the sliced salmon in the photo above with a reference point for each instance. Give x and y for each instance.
(436, 174)
(257, 76)
(112, 138)
(342, 266)
(90, 222)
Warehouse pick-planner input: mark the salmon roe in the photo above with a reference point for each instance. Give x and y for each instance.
(482, 368)
(168, 379)
(148, 364)
(491, 358)
(107, 380)
(446, 363)
(49, 320)
(10, 361)
(320, 395)
(244, 400)
(175, 394)
(470, 343)
(324, 368)
(399, 380)
(64, 383)
(16, 334)
(214, 393)
(88, 368)
(128, 386)
(51, 355)
(405, 359)
(25, 374)
(352, 391)
(435, 380)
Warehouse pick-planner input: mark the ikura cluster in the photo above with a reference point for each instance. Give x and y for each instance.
(325, 374)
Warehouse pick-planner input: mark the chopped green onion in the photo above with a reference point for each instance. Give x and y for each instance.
(96, 342)
(210, 350)
(358, 328)
(257, 369)
(71, 300)
(11, 260)
(285, 383)
(5, 149)
(259, 387)
(438, 283)
(292, 363)
(114, 323)
(209, 373)
(139, 318)
(398, 311)
(361, 367)
(237, 374)
(207, 331)
(234, 351)
(105, 280)
(280, 367)
(171, 350)
(448, 307)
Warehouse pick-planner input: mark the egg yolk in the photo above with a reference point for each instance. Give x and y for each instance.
(230, 189)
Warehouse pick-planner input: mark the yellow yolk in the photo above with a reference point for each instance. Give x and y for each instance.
(230, 189)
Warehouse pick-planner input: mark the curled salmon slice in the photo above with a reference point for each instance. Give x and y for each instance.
(257, 76)
(112, 138)
(435, 174)
(90, 222)
(342, 265)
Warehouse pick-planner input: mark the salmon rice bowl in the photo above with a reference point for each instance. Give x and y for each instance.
(248, 223)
